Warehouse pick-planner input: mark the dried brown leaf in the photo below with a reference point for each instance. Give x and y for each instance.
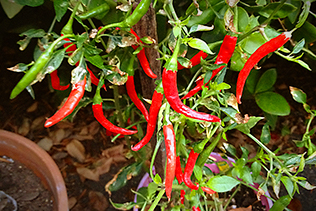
(76, 150)
(32, 108)
(104, 165)
(38, 123)
(249, 208)
(25, 127)
(88, 173)
(45, 143)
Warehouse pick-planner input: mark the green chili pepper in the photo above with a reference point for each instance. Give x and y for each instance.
(38, 66)
(132, 19)
(97, 12)
(205, 154)
(67, 29)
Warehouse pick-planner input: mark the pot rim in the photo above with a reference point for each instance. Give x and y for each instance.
(39, 161)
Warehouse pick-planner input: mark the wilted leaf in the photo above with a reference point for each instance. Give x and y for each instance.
(76, 150)
(24, 129)
(45, 143)
(88, 173)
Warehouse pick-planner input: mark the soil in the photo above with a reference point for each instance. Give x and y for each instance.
(20, 185)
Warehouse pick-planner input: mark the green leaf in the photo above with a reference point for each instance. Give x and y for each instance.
(306, 185)
(34, 33)
(285, 10)
(197, 172)
(288, 183)
(299, 46)
(157, 179)
(273, 103)
(245, 128)
(126, 173)
(281, 203)
(10, 8)
(152, 189)
(252, 80)
(223, 86)
(55, 62)
(304, 14)
(96, 60)
(266, 81)
(60, 7)
(298, 95)
(200, 28)
(200, 45)
(238, 61)
(125, 206)
(31, 3)
(251, 43)
(206, 16)
(265, 134)
(176, 31)
(243, 19)
(255, 169)
(222, 184)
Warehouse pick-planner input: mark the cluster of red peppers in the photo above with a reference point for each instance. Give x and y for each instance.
(167, 88)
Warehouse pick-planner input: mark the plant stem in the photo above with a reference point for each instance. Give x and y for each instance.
(282, 2)
(93, 26)
(52, 26)
(158, 143)
(155, 203)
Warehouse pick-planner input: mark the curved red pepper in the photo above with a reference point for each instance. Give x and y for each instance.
(56, 82)
(225, 53)
(142, 58)
(262, 51)
(130, 88)
(152, 121)
(70, 50)
(170, 143)
(189, 170)
(195, 60)
(99, 115)
(169, 82)
(208, 190)
(72, 101)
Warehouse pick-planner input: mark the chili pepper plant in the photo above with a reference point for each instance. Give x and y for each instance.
(210, 52)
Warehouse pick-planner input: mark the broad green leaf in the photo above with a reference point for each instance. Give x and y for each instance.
(251, 43)
(265, 134)
(298, 95)
(223, 86)
(96, 60)
(197, 172)
(10, 8)
(288, 183)
(252, 80)
(243, 19)
(152, 188)
(222, 184)
(176, 31)
(55, 62)
(271, 120)
(266, 81)
(255, 169)
(34, 33)
(273, 103)
(281, 203)
(285, 10)
(293, 16)
(31, 3)
(261, 2)
(60, 7)
(243, 172)
(307, 31)
(206, 16)
(245, 128)
(200, 45)
(157, 179)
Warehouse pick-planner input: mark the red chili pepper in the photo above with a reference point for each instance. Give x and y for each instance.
(142, 57)
(182, 193)
(152, 121)
(179, 173)
(170, 142)
(196, 208)
(195, 60)
(130, 88)
(70, 50)
(225, 53)
(268, 47)
(208, 190)
(99, 115)
(72, 101)
(56, 82)
(169, 82)
(189, 170)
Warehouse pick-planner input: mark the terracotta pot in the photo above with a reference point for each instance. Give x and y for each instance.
(39, 161)
(213, 167)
